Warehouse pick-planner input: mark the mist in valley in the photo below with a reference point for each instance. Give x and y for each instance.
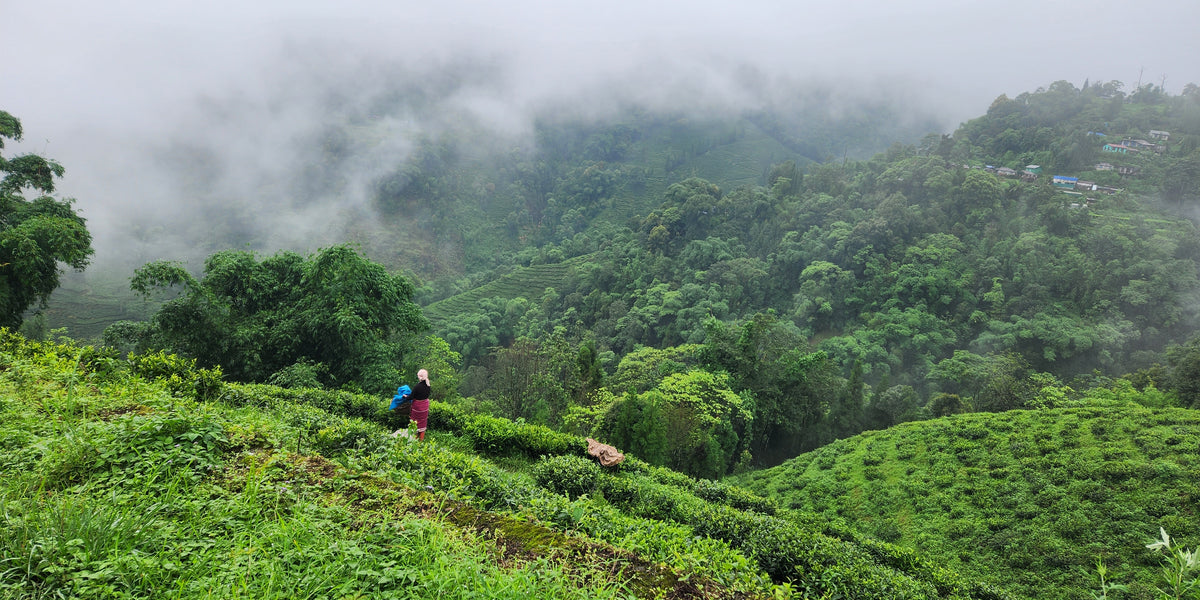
(188, 129)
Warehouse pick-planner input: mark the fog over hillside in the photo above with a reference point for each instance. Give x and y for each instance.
(166, 114)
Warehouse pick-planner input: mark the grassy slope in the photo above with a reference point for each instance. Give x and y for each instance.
(1028, 500)
(117, 487)
(118, 484)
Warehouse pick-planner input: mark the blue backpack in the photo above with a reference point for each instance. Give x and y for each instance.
(403, 394)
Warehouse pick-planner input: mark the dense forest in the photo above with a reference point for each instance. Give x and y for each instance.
(716, 296)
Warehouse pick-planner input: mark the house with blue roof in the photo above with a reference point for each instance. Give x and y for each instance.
(1064, 182)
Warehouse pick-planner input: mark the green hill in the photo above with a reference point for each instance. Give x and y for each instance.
(896, 263)
(149, 478)
(1026, 500)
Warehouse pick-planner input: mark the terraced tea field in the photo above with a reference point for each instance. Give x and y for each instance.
(523, 282)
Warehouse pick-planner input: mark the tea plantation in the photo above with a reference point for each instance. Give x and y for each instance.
(1030, 501)
(145, 477)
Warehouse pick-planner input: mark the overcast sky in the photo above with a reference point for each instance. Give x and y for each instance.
(101, 86)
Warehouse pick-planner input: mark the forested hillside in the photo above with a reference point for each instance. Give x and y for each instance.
(606, 290)
(900, 260)
(955, 269)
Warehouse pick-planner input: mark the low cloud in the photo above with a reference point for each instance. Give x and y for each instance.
(168, 116)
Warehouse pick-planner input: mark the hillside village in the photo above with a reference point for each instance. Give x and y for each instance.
(1128, 147)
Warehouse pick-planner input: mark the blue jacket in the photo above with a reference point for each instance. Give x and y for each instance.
(402, 395)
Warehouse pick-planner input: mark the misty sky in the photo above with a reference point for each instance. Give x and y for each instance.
(106, 87)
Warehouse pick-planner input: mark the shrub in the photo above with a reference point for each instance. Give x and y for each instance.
(420, 465)
(736, 497)
(180, 374)
(338, 402)
(170, 444)
(570, 475)
(1117, 471)
(346, 434)
(501, 437)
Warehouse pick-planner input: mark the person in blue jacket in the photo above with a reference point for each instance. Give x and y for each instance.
(400, 408)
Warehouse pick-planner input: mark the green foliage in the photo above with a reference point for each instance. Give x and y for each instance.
(642, 369)
(1183, 363)
(634, 232)
(347, 404)
(35, 234)
(502, 437)
(636, 424)
(302, 374)
(946, 404)
(137, 499)
(193, 497)
(573, 476)
(1180, 568)
(790, 388)
(346, 434)
(335, 311)
(532, 381)
(896, 263)
(691, 422)
(707, 424)
(1022, 500)
(732, 305)
(180, 374)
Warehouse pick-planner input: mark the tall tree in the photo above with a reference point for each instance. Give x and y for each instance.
(1183, 363)
(335, 310)
(791, 388)
(846, 413)
(35, 235)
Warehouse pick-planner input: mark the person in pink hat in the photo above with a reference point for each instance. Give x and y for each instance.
(420, 403)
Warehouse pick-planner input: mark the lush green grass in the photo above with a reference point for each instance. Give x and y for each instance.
(1027, 500)
(114, 486)
(150, 478)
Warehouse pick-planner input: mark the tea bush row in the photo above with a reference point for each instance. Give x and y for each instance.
(1042, 492)
(337, 402)
(486, 486)
(495, 436)
(784, 549)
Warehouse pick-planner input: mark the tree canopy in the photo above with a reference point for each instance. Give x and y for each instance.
(334, 313)
(36, 234)
(574, 279)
